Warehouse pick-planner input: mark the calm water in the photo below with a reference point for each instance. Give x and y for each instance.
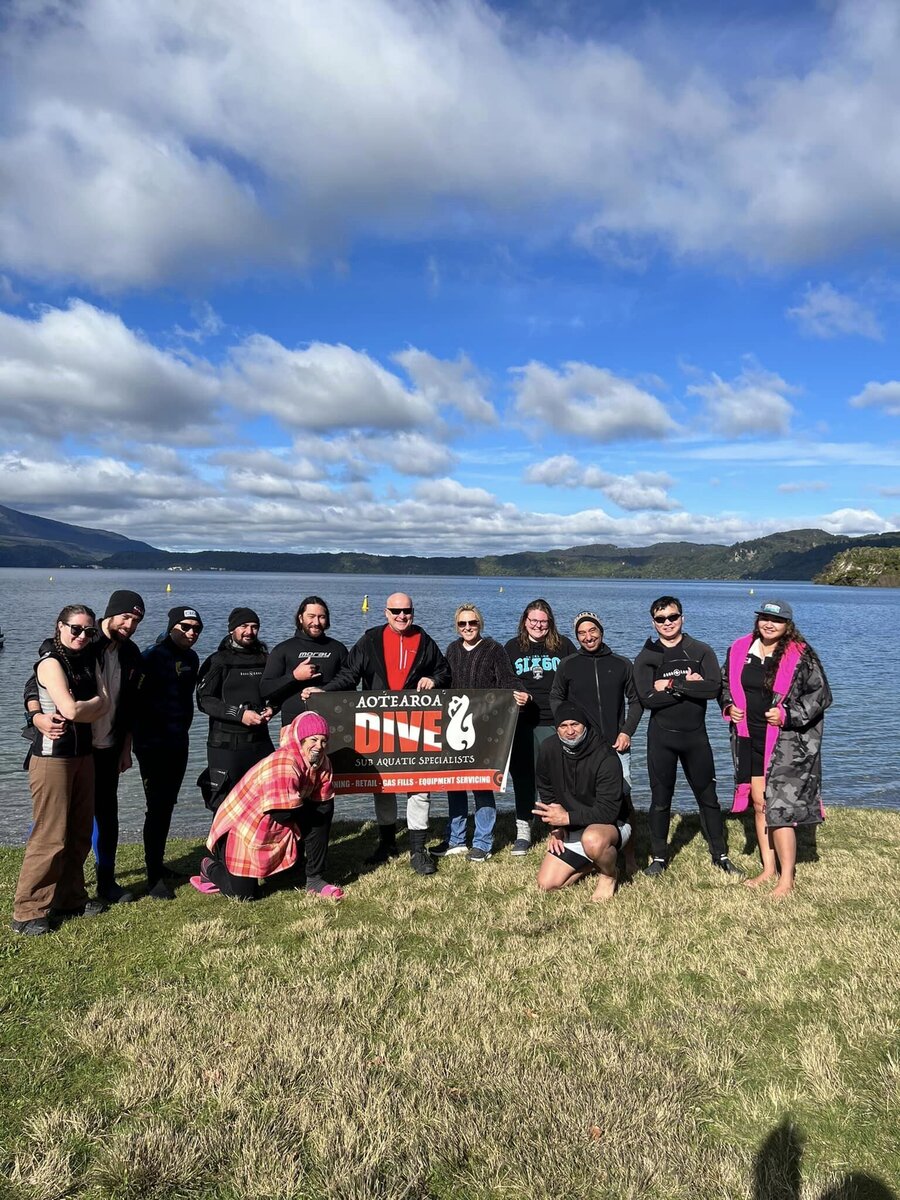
(852, 629)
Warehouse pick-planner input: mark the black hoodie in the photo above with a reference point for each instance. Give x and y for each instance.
(600, 683)
(586, 781)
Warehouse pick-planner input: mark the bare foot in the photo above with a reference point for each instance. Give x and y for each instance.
(785, 888)
(605, 889)
(757, 880)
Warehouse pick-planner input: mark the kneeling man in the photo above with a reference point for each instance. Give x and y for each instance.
(579, 780)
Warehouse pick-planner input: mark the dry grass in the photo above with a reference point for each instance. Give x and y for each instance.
(465, 1036)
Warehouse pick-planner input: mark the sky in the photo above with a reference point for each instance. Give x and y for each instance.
(450, 277)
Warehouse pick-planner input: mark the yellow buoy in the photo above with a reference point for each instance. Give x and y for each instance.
(51, 580)
(168, 587)
(365, 603)
(501, 588)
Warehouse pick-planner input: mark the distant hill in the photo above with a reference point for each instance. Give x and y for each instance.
(28, 541)
(801, 554)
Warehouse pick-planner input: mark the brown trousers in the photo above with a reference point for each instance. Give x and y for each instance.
(52, 874)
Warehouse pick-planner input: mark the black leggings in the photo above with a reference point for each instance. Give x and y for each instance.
(315, 826)
(162, 774)
(666, 748)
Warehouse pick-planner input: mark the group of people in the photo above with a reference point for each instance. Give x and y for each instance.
(94, 699)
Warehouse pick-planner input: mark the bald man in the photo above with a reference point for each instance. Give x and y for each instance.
(395, 657)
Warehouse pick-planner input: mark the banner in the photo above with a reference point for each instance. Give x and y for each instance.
(428, 741)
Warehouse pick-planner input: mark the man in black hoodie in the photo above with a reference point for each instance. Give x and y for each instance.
(602, 684)
(580, 783)
(675, 676)
(228, 691)
(397, 656)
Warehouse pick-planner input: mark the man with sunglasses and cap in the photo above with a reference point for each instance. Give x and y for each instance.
(675, 676)
(397, 656)
(165, 710)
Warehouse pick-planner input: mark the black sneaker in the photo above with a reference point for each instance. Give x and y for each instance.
(33, 928)
(383, 853)
(161, 891)
(656, 868)
(422, 863)
(94, 908)
(725, 864)
(477, 855)
(520, 847)
(114, 894)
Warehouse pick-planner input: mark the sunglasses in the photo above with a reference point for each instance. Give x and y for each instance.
(87, 631)
(189, 628)
(667, 619)
(466, 624)
(400, 612)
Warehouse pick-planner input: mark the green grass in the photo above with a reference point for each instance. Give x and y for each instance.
(465, 1036)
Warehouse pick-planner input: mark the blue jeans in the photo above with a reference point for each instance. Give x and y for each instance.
(485, 819)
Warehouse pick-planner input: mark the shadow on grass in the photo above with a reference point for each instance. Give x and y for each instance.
(807, 844)
(778, 1171)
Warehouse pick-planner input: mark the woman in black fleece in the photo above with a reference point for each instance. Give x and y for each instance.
(475, 662)
(579, 779)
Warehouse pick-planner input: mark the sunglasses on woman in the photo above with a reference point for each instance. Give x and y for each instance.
(87, 631)
(466, 624)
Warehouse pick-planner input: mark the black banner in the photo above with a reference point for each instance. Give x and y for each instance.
(428, 741)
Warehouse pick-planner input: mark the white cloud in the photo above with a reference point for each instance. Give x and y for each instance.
(853, 522)
(106, 486)
(753, 403)
(880, 395)
(826, 313)
(813, 485)
(82, 371)
(589, 402)
(642, 491)
(321, 387)
(203, 138)
(448, 384)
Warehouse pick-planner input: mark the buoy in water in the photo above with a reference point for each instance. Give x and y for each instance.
(168, 587)
(751, 591)
(365, 603)
(501, 587)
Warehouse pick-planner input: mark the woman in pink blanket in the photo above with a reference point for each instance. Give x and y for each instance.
(774, 693)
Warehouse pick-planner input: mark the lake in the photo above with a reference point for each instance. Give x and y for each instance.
(851, 628)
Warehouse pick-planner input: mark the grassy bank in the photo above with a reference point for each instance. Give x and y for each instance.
(464, 1036)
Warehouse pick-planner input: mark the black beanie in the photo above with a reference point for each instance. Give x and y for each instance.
(568, 711)
(241, 616)
(177, 615)
(124, 603)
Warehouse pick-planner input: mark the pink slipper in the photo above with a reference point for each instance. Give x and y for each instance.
(329, 892)
(204, 886)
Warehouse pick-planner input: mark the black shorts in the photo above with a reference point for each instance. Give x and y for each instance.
(574, 856)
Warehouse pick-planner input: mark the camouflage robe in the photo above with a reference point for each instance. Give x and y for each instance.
(794, 770)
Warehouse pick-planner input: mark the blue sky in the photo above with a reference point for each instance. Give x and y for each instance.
(450, 277)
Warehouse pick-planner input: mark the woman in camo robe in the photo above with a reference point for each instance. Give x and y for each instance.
(774, 694)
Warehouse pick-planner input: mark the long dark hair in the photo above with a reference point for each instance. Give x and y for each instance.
(65, 656)
(551, 637)
(304, 605)
(790, 635)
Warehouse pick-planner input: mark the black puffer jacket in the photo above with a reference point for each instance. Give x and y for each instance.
(365, 664)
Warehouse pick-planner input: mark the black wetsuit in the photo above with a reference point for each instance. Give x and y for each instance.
(278, 686)
(677, 734)
(227, 686)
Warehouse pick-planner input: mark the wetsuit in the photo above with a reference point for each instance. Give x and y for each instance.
(677, 734)
(227, 686)
(278, 686)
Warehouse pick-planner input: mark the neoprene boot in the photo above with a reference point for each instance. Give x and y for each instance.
(419, 858)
